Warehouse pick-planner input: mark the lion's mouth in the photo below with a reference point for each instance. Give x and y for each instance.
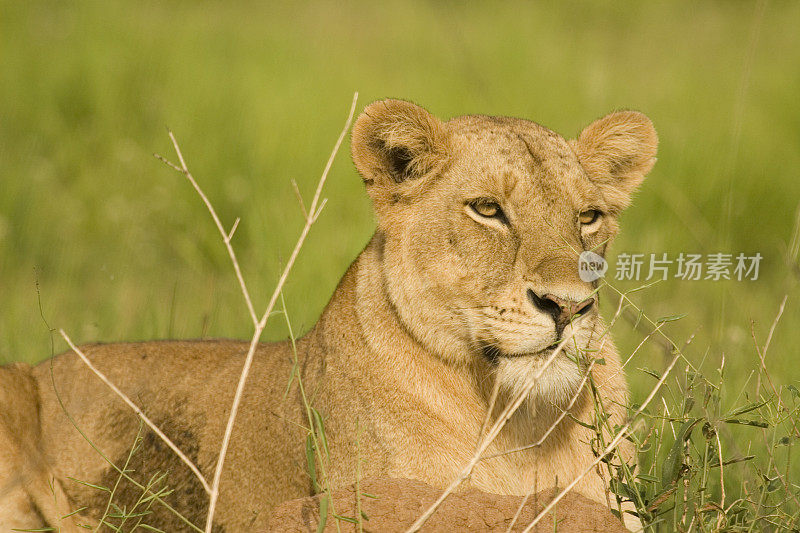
(493, 354)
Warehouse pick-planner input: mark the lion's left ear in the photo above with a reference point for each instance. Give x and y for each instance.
(617, 151)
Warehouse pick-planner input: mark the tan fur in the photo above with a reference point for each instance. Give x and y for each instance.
(403, 360)
(30, 497)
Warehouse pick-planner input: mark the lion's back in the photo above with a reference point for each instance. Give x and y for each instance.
(186, 388)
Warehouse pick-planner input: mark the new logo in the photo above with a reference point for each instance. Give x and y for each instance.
(591, 266)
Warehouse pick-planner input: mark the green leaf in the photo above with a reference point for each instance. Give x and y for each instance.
(737, 460)
(746, 408)
(623, 489)
(794, 391)
(671, 469)
(647, 477)
(320, 429)
(292, 375)
(671, 318)
(311, 459)
(323, 513)
(580, 422)
(76, 511)
(98, 487)
(651, 372)
(746, 422)
(773, 484)
(688, 403)
(346, 519)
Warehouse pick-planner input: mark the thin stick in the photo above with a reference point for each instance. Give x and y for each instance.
(613, 444)
(138, 411)
(233, 229)
(635, 351)
(260, 324)
(489, 409)
(522, 503)
(774, 324)
(299, 199)
(721, 483)
(762, 355)
(226, 235)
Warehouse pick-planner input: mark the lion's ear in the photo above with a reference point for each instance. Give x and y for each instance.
(617, 151)
(395, 142)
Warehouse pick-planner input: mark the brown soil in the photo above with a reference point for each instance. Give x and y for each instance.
(400, 502)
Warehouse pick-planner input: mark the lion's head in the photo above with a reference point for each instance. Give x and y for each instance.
(483, 220)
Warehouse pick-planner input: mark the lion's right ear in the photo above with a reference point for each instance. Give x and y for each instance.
(395, 143)
(617, 151)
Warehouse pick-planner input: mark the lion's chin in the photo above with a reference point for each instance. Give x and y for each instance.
(555, 384)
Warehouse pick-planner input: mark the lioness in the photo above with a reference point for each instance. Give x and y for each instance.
(470, 280)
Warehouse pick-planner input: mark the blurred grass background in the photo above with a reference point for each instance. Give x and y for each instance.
(256, 93)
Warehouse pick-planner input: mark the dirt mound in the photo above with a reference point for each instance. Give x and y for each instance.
(399, 502)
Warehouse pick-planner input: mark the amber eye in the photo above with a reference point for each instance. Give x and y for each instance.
(590, 216)
(488, 209)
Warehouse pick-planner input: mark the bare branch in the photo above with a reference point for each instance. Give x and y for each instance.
(260, 324)
(530, 491)
(775, 324)
(315, 216)
(489, 409)
(168, 163)
(233, 229)
(762, 358)
(225, 235)
(299, 199)
(720, 516)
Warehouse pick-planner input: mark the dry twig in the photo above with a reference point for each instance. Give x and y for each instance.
(310, 217)
(313, 213)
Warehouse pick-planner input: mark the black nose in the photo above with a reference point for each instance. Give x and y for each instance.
(562, 311)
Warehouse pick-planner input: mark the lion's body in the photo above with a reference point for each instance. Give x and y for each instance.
(186, 389)
(400, 395)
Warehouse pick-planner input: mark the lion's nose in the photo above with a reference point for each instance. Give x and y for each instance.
(562, 311)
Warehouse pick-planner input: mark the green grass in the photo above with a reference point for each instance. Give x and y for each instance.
(121, 248)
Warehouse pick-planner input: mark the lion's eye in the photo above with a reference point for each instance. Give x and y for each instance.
(590, 216)
(488, 209)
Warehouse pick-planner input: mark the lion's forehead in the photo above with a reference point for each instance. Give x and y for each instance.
(511, 135)
(518, 155)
